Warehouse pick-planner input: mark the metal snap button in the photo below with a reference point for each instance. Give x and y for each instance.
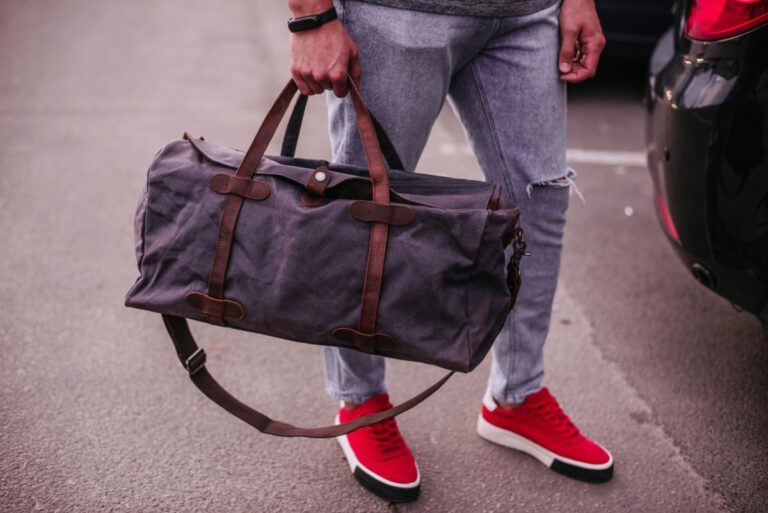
(320, 176)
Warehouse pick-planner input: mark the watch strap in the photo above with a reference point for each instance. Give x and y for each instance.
(312, 21)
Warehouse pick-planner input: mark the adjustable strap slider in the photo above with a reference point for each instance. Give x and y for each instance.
(195, 362)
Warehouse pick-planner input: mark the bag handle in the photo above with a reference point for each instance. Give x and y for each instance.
(377, 168)
(293, 130)
(377, 171)
(193, 358)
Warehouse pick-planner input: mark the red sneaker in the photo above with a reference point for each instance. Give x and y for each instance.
(378, 456)
(540, 428)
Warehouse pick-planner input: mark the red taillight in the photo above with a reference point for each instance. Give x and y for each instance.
(718, 19)
(666, 217)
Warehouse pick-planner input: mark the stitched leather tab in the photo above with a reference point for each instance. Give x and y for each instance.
(316, 185)
(319, 180)
(368, 342)
(224, 183)
(220, 308)
(377, 213)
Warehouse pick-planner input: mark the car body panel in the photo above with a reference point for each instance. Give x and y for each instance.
(707, 145)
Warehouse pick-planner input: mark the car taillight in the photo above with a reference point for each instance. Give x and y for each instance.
(719, 19)
(666, 217)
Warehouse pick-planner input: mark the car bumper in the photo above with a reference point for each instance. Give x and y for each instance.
(707, 148)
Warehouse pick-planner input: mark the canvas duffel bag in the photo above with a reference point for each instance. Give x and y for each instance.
(399, 264)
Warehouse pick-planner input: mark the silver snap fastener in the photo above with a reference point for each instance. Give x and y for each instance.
(320, 176)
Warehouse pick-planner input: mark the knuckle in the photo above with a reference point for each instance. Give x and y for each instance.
(599, 42)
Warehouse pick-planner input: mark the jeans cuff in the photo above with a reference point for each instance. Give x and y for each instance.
(357, 397)
(514, 398)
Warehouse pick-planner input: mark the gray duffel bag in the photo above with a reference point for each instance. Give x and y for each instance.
(399, 264)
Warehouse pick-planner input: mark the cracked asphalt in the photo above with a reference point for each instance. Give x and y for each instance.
(97, 415)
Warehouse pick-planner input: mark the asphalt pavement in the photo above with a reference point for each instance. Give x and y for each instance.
(97, 415)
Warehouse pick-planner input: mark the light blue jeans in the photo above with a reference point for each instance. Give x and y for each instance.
(501, 78)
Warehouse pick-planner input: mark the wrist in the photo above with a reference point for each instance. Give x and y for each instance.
(301, 8)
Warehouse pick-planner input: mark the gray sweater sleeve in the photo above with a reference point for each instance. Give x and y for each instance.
(483, 8)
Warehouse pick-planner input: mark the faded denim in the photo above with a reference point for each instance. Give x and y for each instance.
(500, 76)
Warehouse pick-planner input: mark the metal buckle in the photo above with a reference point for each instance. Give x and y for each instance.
(195, 362)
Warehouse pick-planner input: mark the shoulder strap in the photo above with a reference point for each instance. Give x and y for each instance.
(193, 359)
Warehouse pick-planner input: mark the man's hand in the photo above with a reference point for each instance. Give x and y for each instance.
(321, 58)
(582, 40)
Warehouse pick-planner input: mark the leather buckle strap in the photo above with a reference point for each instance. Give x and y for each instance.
(195, 362)
(193, 358)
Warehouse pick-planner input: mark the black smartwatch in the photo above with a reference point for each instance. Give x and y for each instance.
(311, 21)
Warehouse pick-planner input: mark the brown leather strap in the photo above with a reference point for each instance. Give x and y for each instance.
(234, 202)
(224, 183)
(215, 307)
(368, 211)
(377, 247)
(366, 342)
(193, 359)
(374, 269)
(293, 129)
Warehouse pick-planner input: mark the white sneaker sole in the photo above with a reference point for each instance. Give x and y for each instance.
(566, 466)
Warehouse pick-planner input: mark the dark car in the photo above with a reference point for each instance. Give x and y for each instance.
(707, 145)
(632, 28)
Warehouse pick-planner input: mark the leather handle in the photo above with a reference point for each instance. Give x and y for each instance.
(193, 359)
(376, 164)
(293, 130)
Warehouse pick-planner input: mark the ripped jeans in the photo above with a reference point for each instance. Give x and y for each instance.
(501, 78)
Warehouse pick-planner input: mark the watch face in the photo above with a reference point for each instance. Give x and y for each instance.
(305, 23)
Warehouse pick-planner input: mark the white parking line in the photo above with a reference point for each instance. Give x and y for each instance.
(573, 155)
(609, 158)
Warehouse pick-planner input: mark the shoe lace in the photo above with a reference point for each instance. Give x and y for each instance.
(554, 417)
(387, 439)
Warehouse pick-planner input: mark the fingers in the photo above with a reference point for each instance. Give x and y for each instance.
(586, 66)
(567, 48)
(300, 83)
(316, 82)
(338, 79)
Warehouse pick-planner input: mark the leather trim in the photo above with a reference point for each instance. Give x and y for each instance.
(219, 308)
(316, 186)
(377, 247)
(371, 212)
(187, 349)
(234, 203)
(377, 169)
(367, 342)
(224, 183)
